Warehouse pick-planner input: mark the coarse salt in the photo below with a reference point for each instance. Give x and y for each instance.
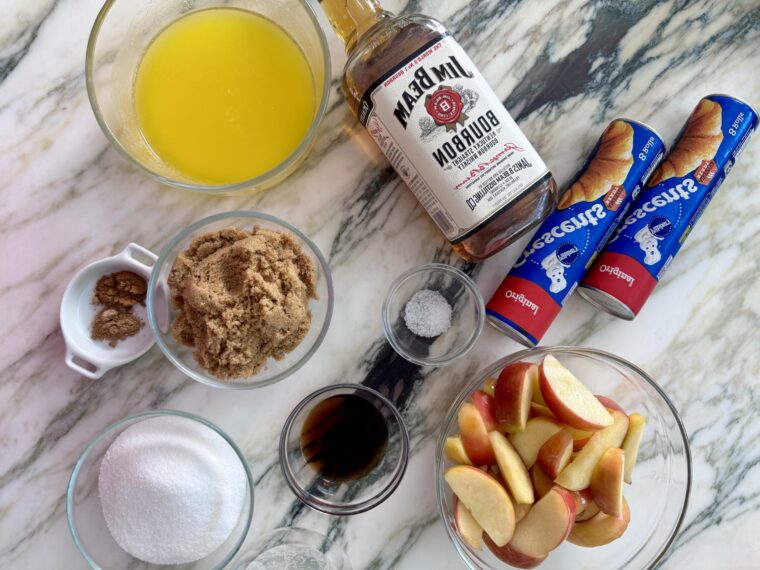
(171, 489)
(427, 314)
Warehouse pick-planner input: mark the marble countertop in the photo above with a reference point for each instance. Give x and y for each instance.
(564, 69)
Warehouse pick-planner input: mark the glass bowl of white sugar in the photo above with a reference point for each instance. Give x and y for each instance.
(433, 314)
(157, 489)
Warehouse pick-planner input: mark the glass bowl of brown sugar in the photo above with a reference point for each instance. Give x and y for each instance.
(240, 300)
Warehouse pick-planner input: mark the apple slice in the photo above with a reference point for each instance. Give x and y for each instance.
(542, 484)
(607, 481)
(600, 529)
(539, 410)
(513, 394)
(590, 511)
(537, 397)
(582, 501)
(529, 441)
(521, 509)
(469, 529)
(569, 399)
(486, 499)
(489, 386)
(454, 450)
(609, 403)
(512, 468)
(474, 435)
(580, 437)
(546, 525)
(555, 453)
(631, 444)
(485, 405)
(577, 475)
(512, 557)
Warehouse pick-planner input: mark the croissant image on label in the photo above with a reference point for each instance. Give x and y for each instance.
(698, 143)
(608, 168)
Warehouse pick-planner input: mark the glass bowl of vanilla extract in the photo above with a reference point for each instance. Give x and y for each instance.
(344, 449)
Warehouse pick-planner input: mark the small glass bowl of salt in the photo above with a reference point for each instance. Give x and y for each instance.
(433, 314)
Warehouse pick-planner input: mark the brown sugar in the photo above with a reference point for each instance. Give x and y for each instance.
(243, 298)
(114, 325)
(120, 290)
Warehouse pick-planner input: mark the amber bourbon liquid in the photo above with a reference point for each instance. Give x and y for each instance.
(344, 437)
(442, 128)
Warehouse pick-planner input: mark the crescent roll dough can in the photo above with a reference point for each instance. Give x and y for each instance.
(636, 257)
(547, 272)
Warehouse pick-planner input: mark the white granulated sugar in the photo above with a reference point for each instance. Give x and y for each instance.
(427, 314)
(171, 489)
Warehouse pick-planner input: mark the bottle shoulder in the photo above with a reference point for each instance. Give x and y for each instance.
(383, 48)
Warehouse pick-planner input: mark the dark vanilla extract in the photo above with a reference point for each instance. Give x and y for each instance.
(344, 437)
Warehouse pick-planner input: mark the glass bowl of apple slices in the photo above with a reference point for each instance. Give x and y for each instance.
(562, 457)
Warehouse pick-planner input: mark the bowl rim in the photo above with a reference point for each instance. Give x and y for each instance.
(343, 509)
(456, 273)
(577, 351)
(288, 532)
(141, 416)
(233, 384)
(251, 183)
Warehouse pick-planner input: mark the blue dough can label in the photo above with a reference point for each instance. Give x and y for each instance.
(635, 258)
(560, 252)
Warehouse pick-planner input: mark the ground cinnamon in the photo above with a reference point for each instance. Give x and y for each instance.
(120, 290)
(113, 325)
(118, 293)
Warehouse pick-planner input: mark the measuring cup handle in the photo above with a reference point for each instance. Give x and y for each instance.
(91, 374)
(133, 248)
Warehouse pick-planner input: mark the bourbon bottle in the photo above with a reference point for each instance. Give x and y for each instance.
(442, 128)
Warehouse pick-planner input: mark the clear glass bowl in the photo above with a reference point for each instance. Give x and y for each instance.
(122, 32)
(344, 497)
(161, 314)
(292, 548)
(84, 512)
(467, 314)
(659, 494)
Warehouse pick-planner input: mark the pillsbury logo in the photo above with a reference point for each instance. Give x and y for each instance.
(555, 263)
(567, 253)
(521, 299)
(660, 226)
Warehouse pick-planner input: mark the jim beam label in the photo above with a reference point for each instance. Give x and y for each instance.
(450, 138)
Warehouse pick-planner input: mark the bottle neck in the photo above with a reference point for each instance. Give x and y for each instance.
(351, 19)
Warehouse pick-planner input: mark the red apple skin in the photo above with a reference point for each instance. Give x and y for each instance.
(607, 482)
(610, 404)
(558, 407)
(570, 502)
(509, 555)
(485, 405)
(535, 535)
(513, 393)
(555, 453)
(600, 529)
(472, 430)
